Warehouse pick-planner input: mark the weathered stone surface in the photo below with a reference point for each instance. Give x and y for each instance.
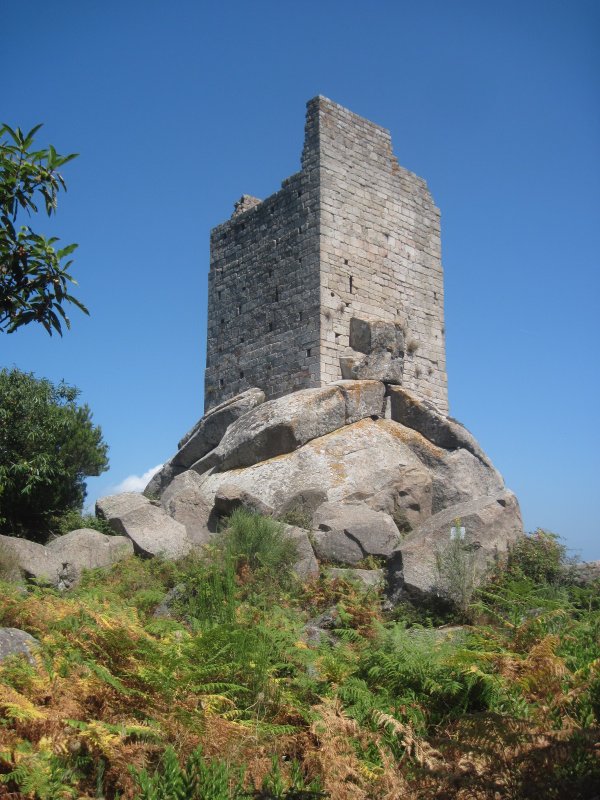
(184, 502)
(303, 504)
(245, 203)
(369, 578)
(459, 476)
(408, 500)
(21, 557)
(369, 488)
(159, 482)
(370, 335)
(346, 364)
(230, 496)
(491, 523)
(306, 566)
(14, 641)
(440, 430)
(278, 426)
(60, 563)
(370, 461)
(362, 399)
(346, 534)
(283, 425)
(321, 628)
(85, 548)
(152, 531)
(380, 365)
(208, 432)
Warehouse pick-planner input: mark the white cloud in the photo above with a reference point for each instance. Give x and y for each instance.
(136, 483)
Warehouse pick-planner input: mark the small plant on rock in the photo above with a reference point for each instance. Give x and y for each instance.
(299, 516)
(258, 542)
(456, 567)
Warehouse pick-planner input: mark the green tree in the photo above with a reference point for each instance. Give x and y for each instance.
(48, 444)
(34, 276)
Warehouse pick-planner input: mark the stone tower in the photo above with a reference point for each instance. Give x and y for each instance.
(353, 235)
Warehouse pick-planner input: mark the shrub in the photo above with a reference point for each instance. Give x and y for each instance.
(73, 520)
(208, 593)
(48, 444)
(539, 556)
(258, 543)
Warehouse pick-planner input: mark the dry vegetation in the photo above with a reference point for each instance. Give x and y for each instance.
(227, 698)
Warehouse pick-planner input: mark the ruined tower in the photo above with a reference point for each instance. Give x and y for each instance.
(352, 235)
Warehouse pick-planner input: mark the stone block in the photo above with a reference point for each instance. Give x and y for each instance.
(370, 335)
(152, 531)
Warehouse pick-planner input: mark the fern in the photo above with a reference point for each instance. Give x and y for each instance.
(199, 779)
(42, 775)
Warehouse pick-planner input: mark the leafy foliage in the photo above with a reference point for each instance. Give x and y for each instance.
(48, 444)
(539, 556)
(257, 542)
(34, 278)
(201, 779)
(73, 519)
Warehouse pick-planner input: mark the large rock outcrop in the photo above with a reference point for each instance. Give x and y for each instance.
(85, 549)
(364, 487)
(204, 437)
(283, 425)
(438, 429)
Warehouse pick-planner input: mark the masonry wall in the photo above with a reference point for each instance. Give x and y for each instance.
(380, 252)
(263, 295)
(352, 234)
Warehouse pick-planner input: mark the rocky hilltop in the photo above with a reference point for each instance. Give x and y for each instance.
(367, 472)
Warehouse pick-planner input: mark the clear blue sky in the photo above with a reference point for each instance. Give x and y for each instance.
(177, 108)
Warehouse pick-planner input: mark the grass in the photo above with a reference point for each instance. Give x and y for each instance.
(227, 699)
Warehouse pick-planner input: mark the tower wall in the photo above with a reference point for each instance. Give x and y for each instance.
(264, 296)
(352, 234)
(380, 251)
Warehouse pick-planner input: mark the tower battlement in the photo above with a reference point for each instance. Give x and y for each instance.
(352, 235)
